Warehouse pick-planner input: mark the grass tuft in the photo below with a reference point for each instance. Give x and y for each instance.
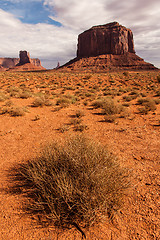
(76, 183)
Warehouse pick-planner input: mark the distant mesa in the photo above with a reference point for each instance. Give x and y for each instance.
(108, 46)
(23, 63)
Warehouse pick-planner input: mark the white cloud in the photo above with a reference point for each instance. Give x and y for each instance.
(79, 14)
(41, 40)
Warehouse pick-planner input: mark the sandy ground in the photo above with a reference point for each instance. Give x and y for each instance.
(134, 139)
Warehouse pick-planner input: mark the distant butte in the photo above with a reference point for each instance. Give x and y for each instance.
(23, 63)
(107, 47)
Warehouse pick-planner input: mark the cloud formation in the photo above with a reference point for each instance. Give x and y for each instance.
(56, 43)
(47, 42)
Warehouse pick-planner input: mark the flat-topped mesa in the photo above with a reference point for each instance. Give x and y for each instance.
(24, 57)
(111, 38)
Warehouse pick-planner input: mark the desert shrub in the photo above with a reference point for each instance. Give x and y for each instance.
(41, 101)
(25, 94)
(66, 100)
(16, 111)
(13, 111)
(111, 107)
(8, 103)
(76, 183)
(63, 101)
(3, 96)
(14, 91)
(98, 103)
(108, 105)
(4, 110)
(148, 104)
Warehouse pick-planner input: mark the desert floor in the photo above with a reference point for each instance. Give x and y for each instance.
(38, 107)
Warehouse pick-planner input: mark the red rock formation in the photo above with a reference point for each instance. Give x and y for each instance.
(6, 63)
(110, 38)
(24, 58)
(107, 47)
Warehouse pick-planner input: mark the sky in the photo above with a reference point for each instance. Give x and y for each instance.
(48, 29)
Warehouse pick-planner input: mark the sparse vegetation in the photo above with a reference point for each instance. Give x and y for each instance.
(41, 101)
(13, 111)
(73, 184)
(3, 96)
(148, 105)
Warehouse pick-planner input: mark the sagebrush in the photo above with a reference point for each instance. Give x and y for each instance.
(76, 183)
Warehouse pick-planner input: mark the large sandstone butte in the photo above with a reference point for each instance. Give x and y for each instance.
(108, 46)
(110, 38)
(20, 63)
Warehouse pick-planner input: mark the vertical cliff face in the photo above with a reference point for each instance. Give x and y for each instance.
(24, 57)
(110, 38)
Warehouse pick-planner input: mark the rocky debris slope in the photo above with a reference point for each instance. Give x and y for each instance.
(127, 61)
(108, 46)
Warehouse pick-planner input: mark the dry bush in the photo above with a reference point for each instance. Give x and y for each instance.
(3, 96)
(25, 94)
(16, 111)
(41, 101)
(76, 183)
(98, 103)
(111, 107)
(12, 110)
(148, 105)
(4, 110)
(14, 91)
(66, 100)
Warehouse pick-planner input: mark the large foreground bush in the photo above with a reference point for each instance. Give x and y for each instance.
(74, 183)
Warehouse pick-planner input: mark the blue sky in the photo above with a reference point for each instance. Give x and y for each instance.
(31, 12)
(49, 29)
